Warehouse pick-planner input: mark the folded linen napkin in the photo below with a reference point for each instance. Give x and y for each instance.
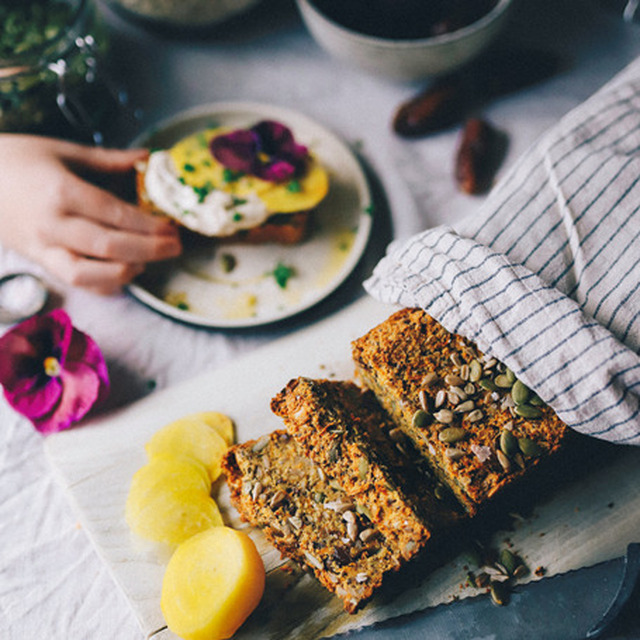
(546, 277)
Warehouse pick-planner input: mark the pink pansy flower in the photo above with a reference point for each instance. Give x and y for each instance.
(51, 372)
(266, 150)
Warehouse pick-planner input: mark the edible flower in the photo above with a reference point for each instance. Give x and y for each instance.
(51, 372)
(267, 151)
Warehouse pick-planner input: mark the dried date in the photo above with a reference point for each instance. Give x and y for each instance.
(480, 153)
(452, 98)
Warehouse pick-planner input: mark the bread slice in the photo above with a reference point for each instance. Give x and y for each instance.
(282, 228)
(343, 429)
(479, 429)
(308, 517)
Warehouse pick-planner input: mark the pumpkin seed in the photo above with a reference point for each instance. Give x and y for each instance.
(508, 443)
(511, 377)
(487, 384)
(451, 435)
(363, 468)
(528, 411)
(519, 460)
(475, 371)
(536, 400)
(503, 381)
(509, 561)
(520, 571)
(529, 447)
(520, 392)
(499, 593)
(421, 419)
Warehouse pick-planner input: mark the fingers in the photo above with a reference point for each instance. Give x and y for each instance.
(89, 201)
(100, 276)
(101, 160)
(86, 237)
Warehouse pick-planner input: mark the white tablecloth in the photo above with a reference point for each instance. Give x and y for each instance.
(52, 583)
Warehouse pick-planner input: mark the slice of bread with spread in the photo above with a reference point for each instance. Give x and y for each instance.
(253, 185)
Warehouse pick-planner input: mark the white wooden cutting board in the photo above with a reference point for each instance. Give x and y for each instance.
(584, 523)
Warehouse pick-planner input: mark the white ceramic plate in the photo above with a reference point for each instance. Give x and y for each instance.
(196, 288)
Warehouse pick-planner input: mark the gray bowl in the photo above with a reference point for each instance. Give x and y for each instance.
(405, 59)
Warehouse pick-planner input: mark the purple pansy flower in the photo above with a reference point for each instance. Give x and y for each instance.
(266, 150)
(51, 372)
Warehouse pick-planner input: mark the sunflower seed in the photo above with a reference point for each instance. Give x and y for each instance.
(363, 468)
(277, 499)
(441, 396)
(361, 577)
(464, 371)
(367, 534)
(459, 392)
(520, 571)
(454, 454)
(505, 463)
(313, 561)
(451, 435)
(256, 491)
(453, 398)
(452, 380)
(519, 460)
(469, 388)
(260, 444)
(429, 379)
(423, 397)
(295, 521)
(445, 416)
(465, 407)
(456, 360)
(475, 415)
(475, 371)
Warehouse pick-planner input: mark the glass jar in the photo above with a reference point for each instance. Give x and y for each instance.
(52, 79)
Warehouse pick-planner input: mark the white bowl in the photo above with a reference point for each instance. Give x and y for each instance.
(405, 59)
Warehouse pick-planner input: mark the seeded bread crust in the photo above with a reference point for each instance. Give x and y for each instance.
(343, 429)
(308, 517)
(283, 228)
(457, 406)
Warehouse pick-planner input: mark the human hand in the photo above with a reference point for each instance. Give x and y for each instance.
(53, 212)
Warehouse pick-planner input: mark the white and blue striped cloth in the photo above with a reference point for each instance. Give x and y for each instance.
(546, 277)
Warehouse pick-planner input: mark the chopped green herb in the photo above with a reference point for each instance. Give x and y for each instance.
(282, 273)
(231, 176)
(203, 191)
(228, 262)
(202, 141)
(238, 201)
(183, 305)
(369, 209)
(181, 180)
(151, 384)
(188, 167)
(237, 217)
(294, 186)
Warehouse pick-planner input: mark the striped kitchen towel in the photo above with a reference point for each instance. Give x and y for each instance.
(546, 278)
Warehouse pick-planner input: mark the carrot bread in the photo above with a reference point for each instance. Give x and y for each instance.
(308, 517)
(252, 185)
(478, 427)
(343, 429)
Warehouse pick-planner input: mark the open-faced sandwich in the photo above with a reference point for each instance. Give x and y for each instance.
(255, 184)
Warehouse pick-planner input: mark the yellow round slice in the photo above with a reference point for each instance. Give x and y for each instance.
(212, 584)
(173, 515)
(162, 473)
(219, 422)
(193, 438)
